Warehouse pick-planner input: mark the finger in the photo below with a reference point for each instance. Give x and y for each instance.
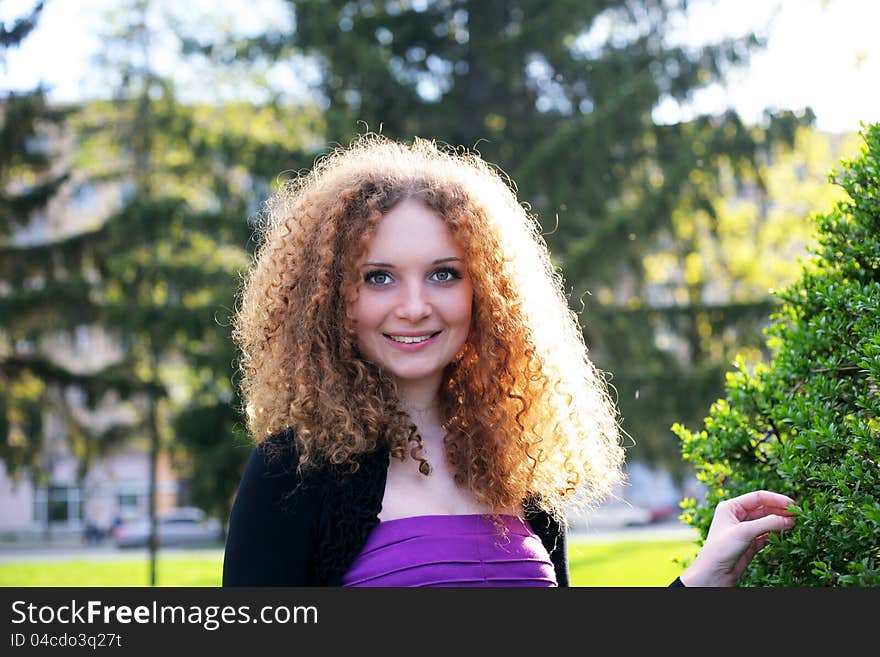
(759, 503)
(746, 557)
(751, 529)
(762, 498)
(761, 542)
(761, 511)
(744, 560)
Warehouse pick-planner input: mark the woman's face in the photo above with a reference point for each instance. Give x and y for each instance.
(413, 310)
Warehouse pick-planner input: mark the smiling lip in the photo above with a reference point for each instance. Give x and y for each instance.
(412, 346)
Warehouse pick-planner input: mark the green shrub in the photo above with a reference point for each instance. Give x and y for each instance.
(806, 424)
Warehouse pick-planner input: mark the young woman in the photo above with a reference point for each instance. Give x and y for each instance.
(420, 392)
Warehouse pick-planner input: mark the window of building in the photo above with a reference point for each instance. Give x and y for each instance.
(59, 506)
(131, 498)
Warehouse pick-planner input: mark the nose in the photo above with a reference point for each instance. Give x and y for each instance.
(414, 304)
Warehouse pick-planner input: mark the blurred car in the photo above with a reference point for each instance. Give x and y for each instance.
(620, 514)
(184, 526)
(665, 513)
(610, 516)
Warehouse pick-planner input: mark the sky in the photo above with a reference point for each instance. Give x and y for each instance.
(820, 53)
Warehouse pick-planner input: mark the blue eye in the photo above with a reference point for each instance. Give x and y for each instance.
(446, 275)
(377, 277)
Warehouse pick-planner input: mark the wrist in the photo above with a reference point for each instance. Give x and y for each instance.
(693, 575)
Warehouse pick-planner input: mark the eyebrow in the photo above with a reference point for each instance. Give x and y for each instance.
(439, 261)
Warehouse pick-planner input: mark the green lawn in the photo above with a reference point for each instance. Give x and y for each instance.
(197, 570)
(631, 563)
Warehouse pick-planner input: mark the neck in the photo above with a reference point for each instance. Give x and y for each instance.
(421, 401)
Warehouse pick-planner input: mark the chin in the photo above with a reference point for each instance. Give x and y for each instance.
(414, 377)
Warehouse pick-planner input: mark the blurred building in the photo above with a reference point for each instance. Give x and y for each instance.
(62, 503)
(114, 489)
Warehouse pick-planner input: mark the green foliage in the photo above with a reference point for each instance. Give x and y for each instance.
(806, 424)
(29, 179)
(707, 288)
(211, 448)
(151, 268)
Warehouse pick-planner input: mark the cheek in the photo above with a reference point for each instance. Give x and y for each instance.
(367, 316)
(463, 309)
(467, 314)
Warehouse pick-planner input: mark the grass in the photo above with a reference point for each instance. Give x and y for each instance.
(203, 569)
(629, 563)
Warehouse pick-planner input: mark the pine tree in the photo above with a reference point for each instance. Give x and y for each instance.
(28, 182)
(561, 95)
(157, 273)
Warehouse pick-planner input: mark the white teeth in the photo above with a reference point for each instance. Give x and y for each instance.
(408, 340)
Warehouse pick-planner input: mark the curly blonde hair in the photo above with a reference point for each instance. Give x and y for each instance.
(527, 415)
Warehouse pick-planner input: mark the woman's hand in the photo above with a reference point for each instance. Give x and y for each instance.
(739, 529)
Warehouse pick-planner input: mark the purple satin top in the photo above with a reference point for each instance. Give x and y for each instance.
(451, 550)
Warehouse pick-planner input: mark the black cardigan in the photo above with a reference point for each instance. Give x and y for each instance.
(287, 530)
